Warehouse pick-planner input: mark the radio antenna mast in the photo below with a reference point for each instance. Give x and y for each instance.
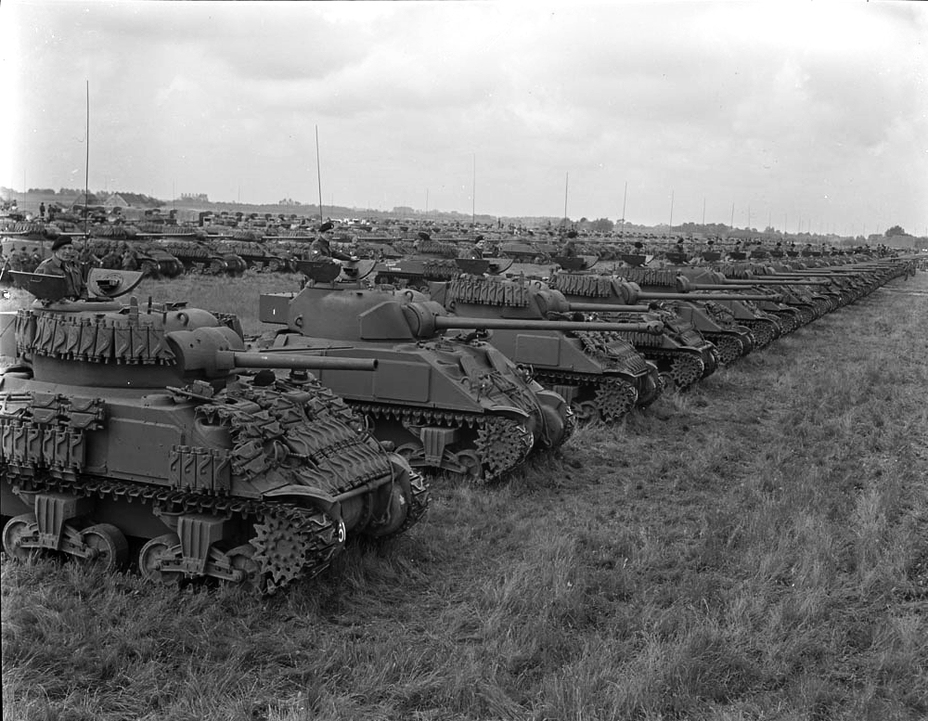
(87, 158)
(318, 173)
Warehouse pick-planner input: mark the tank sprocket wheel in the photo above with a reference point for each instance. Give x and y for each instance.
(615, 397)
(730, 348)
(108, 545)
(15, 530)
(686, 369)
(502, 444)
(293, 542)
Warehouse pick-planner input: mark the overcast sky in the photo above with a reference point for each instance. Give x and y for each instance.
(812, 115)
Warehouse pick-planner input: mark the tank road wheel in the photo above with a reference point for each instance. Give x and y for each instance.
(14, 532)
(412, 452)
(242, 558)
(472, 467)
(586, 412)
(686, 369)
(615, 398)
(729, 347)
(153, 556)
(109, 547)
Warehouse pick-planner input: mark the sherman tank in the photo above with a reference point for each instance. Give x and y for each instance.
(416, 273)
(794, 298)
(150, 421)
(682, 355)
(599, 373)
(732, 339)
(453, 404)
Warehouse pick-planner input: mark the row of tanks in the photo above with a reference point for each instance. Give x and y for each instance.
(159, 428)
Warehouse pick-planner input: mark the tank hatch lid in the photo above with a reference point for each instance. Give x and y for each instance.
(104, 283)
(44, 287)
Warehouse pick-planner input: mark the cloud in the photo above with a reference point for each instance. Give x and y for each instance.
(767, 105)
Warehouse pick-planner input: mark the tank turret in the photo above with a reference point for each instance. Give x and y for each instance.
(450, 403)
(122, 422)
(596, 370)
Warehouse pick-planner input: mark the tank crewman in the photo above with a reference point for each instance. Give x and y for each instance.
(111, 260)
(129, 260)
(568, 248)
(18, 259)
(320, 247)
(35, 260)
(64, 262)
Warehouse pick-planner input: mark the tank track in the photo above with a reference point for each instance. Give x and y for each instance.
(764, 330)
(682, 368)
(729, 344)
(606, 398)
(291, 541)
(418, 504)
(501, 444)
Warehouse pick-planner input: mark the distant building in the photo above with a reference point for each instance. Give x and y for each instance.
(115, 201)
(196, 197)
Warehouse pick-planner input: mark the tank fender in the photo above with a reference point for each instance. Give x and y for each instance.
(556, 412)
(320, 499)
(516, 414)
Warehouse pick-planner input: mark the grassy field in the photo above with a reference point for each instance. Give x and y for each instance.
(754, 549)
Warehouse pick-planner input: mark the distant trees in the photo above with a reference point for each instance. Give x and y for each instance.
(602, 225)
(895, 230)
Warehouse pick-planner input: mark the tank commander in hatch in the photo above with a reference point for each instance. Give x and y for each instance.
(320, 247)
(64, 262)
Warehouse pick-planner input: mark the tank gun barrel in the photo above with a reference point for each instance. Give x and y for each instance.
(817, 273)
(607, 308)
(292, 361)
(216, 351)
(644, 295)
(443, 322)
(734, 284)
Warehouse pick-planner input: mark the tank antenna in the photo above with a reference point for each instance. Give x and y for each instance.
(318, 174)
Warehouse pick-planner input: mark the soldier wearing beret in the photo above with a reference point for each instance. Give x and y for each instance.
(64, 263)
